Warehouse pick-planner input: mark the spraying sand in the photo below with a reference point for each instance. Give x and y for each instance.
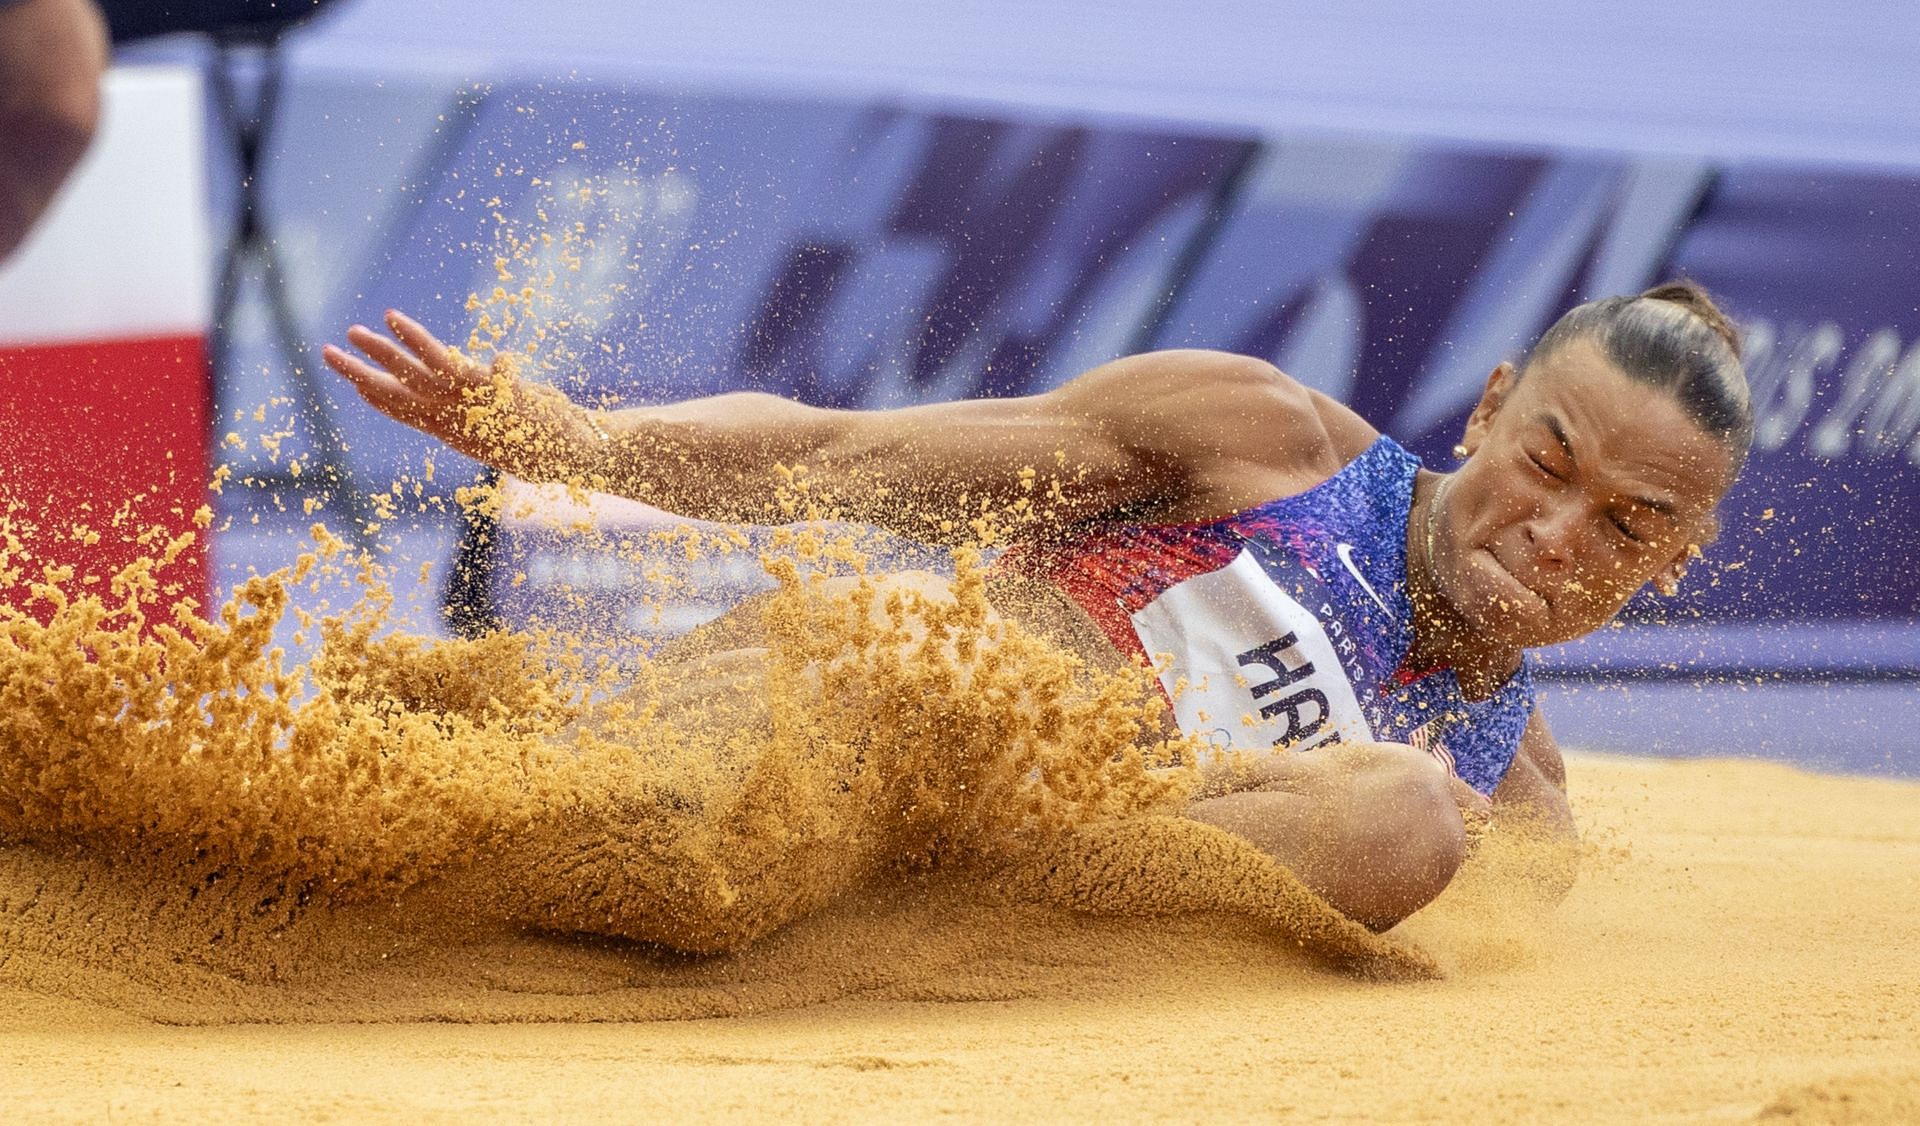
(911, 906)
(930, 865)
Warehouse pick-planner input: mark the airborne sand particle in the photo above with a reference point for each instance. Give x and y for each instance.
(245, 815)
(224, 819)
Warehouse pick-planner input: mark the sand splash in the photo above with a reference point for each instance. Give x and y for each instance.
(245, 840)
(874, 774)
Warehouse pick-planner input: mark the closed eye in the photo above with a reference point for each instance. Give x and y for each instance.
(1620, 526)
(1541, 465)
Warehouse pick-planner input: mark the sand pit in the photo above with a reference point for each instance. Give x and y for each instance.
(928, 864)
(1740, 947)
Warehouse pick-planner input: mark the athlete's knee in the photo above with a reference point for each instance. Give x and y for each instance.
(1402, 838)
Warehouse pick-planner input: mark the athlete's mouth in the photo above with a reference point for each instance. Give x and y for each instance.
(1515, 580)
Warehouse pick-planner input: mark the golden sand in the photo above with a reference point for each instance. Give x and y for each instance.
(1740, 947)
(247, 820)
(901, 859)
(939, 876)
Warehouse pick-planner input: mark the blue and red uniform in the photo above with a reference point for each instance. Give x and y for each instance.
(1288, 624)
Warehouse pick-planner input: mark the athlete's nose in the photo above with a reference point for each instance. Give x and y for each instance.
(1550, 535)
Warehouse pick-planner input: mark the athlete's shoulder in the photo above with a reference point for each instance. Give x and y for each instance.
(1193, 368)
(1236, 391)
(1197, 381)
(1216, 413)
(1176, 371)
(1347, 432)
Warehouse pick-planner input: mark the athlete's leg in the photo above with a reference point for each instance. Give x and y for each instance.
(1375, 828)
(688, 874)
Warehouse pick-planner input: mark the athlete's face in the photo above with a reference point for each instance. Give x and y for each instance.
(1581, 487)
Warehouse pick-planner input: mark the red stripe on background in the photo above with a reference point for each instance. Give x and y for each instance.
(86, 428)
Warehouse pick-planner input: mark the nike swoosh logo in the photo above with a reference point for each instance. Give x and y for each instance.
(1345, 552)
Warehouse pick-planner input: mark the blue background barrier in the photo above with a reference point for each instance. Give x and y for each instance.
(869, 238)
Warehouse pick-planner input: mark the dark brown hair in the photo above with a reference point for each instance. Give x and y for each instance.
(1673, 337)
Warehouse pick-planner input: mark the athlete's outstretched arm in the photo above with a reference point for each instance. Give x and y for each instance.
(1127, 432)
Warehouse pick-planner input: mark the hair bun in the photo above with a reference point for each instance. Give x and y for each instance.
(1693, 297)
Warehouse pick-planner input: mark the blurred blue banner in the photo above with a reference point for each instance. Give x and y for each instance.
(1819, 267)
(877, 254)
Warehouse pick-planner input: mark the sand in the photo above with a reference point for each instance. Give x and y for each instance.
(1740, 946)
(923, 864)
(941, 877)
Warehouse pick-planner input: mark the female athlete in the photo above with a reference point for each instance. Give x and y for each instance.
(1317, 589)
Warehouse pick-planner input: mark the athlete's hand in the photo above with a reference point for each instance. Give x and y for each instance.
(527, 429)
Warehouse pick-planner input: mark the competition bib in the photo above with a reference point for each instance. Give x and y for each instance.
(1246, 665)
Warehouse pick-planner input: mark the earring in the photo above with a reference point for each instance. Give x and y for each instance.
(1460, 450)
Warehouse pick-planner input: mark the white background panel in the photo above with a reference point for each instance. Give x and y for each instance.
(1715, 78)
(124, 250)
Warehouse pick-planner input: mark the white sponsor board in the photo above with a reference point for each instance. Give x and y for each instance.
(124, 250)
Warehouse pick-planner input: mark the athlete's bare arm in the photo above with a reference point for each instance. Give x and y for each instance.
(1162, 431)
(1376, 828)
(1533, 798)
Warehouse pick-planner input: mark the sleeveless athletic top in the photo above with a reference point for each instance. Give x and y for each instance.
(1288, 624)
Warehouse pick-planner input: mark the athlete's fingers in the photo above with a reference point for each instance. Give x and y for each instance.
(428, 347)
(379, 388)
(404, 365)
(350, 367)
(388, 354)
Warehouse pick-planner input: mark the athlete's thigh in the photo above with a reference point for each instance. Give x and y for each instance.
(721, 667)
(936, 589)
